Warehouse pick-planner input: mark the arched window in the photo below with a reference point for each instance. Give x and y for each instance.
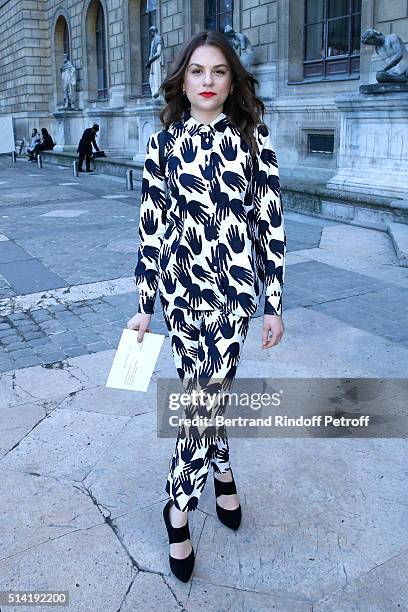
(66, 40)
(96, 51)
(147, 19)
(100, 35)
(61, 45)
(218, 14)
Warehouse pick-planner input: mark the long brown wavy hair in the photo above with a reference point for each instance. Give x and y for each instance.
(243, 108)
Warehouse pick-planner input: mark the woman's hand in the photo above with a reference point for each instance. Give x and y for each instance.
(274, 324)
(140, 322)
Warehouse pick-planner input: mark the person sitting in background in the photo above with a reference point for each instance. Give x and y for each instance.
(46, 144)
(35, 140)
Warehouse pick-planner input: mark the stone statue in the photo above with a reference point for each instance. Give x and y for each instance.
(156, 62)
(68, 76)
(242, 46)
(390, 48)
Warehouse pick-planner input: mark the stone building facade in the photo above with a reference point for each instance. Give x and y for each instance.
(308, 59)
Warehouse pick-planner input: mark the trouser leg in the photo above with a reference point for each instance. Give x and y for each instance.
(88, 161)
(81, 160)
(206, 347)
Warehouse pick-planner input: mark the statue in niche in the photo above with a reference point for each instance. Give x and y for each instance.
(155, 61)
(242, 46)
(68, 76)
(391, 49)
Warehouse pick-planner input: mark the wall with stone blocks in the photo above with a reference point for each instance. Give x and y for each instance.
(259, 24)
(172, 29)
(391, 16)
(24, 56)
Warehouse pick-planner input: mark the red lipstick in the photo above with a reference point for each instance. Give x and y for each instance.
(207, 94)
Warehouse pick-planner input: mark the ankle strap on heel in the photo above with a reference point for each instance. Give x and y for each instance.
(179, 534)
(224, 488)
(176, 534)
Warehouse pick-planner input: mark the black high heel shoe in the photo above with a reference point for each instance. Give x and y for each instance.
(230, 518)
(181, 568)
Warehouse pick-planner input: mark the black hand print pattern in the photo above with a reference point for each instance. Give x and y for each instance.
(194, 241)
(188, 151)
(216, 347)
(210, 297)
(217, 164)
(184, 256)
(200, 273)
(211, 230)
(218, 210)
(205, 169)
(228, 149)
(227, 327)
(234, 180)
(191, 183)
(169, 283)
(241, 275)
(196, 211)
(153, 168)
(235, 239)
(165, 257)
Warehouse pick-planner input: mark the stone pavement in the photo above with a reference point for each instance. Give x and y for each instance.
(83, 473)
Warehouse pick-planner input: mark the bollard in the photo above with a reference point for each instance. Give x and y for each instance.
(13, 157)
(129, 180)
(75, 168)
(39, 160)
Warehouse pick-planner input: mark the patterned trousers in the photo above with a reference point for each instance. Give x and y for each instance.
(207, 346)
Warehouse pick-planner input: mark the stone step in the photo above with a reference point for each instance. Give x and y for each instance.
(113, 166)
(399, 237)
(301, 193)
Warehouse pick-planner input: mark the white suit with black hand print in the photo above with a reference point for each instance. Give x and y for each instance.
(211, 227)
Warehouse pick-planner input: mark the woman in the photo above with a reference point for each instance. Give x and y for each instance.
(35, 140)
(46, 144)
(209, 245)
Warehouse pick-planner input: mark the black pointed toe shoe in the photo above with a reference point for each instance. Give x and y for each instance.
(181, 568)
(230, 518)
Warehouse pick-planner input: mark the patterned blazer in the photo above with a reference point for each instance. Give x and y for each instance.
(211, 225)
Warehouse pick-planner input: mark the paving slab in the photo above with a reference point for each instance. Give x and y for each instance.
(110, 401)
(10, 252)
(223, 599)
(89, 563)
(360, 242)
(36, 509)
(150, 592)
(380, 589)
(50, 383)
(66, 445)
(17, 421)
(30, 275)
(131, 473)
(342, 350)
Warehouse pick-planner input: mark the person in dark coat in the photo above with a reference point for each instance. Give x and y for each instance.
(46, 144)
(85, 147)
